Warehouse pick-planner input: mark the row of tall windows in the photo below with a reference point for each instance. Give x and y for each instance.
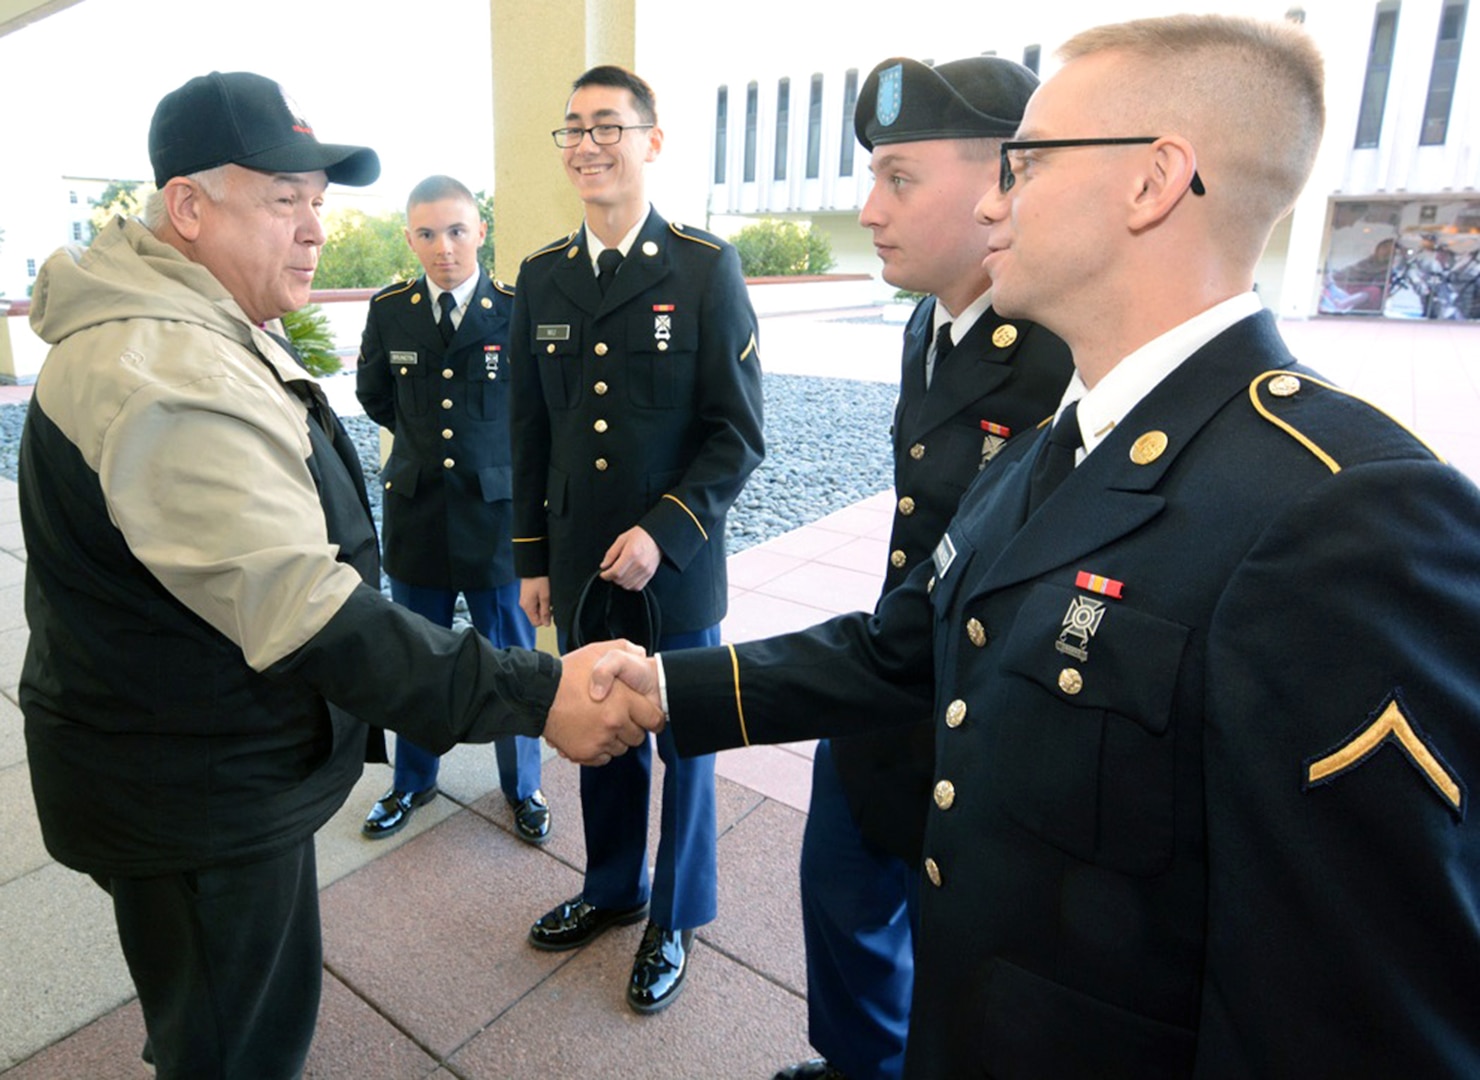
(783, 129)
(1442, 74)
(782, 148)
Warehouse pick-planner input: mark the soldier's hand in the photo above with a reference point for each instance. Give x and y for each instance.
(632, 560)
(534, 599)
(592, 732)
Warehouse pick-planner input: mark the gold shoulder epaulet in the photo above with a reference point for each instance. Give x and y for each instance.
(1273, 386)
(558, 245)
(681, 230)
(395, 290)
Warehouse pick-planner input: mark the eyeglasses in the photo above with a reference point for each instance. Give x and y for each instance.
(1007, 179)
(602, 134)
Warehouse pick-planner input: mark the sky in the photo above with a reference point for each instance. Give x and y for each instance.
(80, 86)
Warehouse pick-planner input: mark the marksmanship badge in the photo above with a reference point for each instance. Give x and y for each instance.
(1081, 622)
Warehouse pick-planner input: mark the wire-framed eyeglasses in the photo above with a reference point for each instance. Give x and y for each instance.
(568, 138)
(1007, 178)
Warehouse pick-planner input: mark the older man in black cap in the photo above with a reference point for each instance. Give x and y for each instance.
(203, 589)
(969, 380)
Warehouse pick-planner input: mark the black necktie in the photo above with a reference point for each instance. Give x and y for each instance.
(447, 303)
(1056, 461)
(943, 346)
(606, 268)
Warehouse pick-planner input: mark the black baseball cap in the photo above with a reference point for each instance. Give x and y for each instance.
(239, 118)
(903, 100)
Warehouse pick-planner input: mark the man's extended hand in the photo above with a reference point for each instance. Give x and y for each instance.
(592, 731)
(638, 673)
(534, 599)
(632, 560)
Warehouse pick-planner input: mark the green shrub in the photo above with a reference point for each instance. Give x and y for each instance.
(308, 330)
(772, 248)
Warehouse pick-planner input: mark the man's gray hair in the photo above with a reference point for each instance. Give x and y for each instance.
(210, 181)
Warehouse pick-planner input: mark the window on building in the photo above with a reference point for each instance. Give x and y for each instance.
(850, 105)
(76, 230)
(1031, 57)
(752, 96)
(814, 129)
(721, 132)
(30, 268)
(72, 197)
(1442, 75)
(783, 126)
(1379, 69)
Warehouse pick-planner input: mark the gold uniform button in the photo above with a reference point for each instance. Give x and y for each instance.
(601, 464)
(1284, 386)
(662, 346)
(932, 871)
(976, 632)
(387, 485)
(1004, 335)
(930, 585)
(600, 388)
(493, 374)
(1149, 447)
(906, 506)
(601, 349)
(447, 373)
(446, 403)
(649, 248)
(945, 794)
(416, 298)
(550, 348)
(600, 427)
(572, 253)
(955, 713)
(917, 451)
(897, 559)
(448, 463)
(403, 371)
(447, 433)
(1070, 681)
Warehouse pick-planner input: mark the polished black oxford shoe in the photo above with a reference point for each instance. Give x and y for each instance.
(659, 969)
(532, 819)
(811, 1069)
(393, 811)
(575, 922)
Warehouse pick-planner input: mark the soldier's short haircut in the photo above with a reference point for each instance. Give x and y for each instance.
(619, 77)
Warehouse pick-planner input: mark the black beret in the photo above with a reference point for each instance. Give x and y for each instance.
(981, 97)
(606, 611)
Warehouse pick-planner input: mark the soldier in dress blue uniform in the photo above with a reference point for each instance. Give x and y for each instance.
(433, 371)
(970, 378)
(1201, 654)
(637, 419)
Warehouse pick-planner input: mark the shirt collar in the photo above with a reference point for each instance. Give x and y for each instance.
(1135, 376)
(460, 293)
(595, 247)
(962, 323)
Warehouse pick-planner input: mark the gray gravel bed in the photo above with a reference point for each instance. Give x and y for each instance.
(827, 446)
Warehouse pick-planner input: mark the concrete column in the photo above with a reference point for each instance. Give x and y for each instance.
(538, 50)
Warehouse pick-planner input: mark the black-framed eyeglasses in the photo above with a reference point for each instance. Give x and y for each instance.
(1007, 179)
(568, 138)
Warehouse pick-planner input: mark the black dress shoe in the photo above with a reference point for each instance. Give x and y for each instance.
(532, 819)
(575, 922)
(659, 969)
(811, 1069)
(391, 813)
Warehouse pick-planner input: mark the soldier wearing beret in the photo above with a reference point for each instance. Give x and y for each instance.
(1200, 657)
(970, 378)
(637, 419)
(432, 371)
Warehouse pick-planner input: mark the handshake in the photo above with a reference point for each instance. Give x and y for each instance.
(607, 702)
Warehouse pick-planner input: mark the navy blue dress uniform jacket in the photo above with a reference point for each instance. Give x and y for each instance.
(1207, 733)
(1002, 378)
(447, 484)
(642, 407)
